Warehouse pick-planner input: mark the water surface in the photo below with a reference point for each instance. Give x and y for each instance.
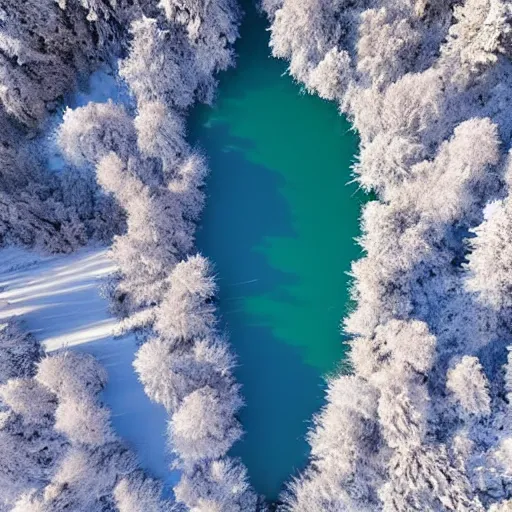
(279, 225)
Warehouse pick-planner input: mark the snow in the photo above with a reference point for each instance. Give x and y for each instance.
(101, 87)
(491, 208)
(58, 299)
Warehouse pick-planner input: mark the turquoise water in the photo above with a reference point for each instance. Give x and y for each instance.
(279, 226)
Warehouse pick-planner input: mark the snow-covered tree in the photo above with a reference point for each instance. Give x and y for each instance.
(388, 45)
(204, 426)
(29, 452)
(159, 66)
(303, 32)
(187, 311)
(344, 445)
(331, 77)
(29, 399)
(170, 375)
(490, 261)
(503, 506)
(469, 386)
(153, 192)
(161, 133)
(425, 479)
(85, 480)
(89, 133)
(211, 29)
(157, 234)
(30, 448)
(424, 83)
(164, 374)
(72, 375)
(188, 184)
(34, 40)
(139, 493)
(217, 486)
(47, 48)
(64, 453)
(42, 224)
(481, 33)
(84, 421)
(19, 352)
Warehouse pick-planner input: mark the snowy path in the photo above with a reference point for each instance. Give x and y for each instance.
(58, 300)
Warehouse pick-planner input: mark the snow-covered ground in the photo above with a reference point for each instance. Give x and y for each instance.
(58, 298)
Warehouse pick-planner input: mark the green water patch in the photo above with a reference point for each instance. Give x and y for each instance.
(279, 226)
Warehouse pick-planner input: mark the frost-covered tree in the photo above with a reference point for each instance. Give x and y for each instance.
(72, 375)
(303, 32)
(157, 234)
(217, 486)
(204, 426)
(426, 479)
(33, 402)
(161, 133)
(387, 46)
(85, 480)
(211, 29)
(170, 375)
(44, 225)
(164, 373)
(149, 173)
(76, 379)
(34, 40)
(187, 311)
(187, 184)
(139, 493)
(146, 166)
(408, 235)
(84, 422)
(47, 49)
(158, 66)
(490, 261)
(159, 228)
(503, 506)
(344, 443)
(30, 448)
(480, 35)
(41, 209)
(89, 133)
(188, 369)
(469, 386)
(19, 352)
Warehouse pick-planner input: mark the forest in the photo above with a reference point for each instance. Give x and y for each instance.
(131, 180)
(420, 421)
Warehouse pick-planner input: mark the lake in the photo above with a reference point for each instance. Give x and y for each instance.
(279, 226)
